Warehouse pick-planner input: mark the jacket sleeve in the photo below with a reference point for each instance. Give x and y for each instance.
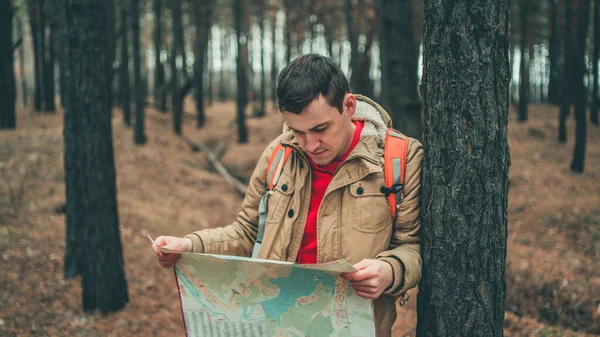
(404, 253)
(239, 237)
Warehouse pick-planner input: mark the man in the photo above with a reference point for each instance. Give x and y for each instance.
(328, 202)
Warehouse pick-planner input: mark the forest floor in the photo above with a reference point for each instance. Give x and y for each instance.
(553, 273)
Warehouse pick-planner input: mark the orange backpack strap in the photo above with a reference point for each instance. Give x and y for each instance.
(394, 167)
(278, 158)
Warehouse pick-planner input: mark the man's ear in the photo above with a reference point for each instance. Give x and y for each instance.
(349, 104)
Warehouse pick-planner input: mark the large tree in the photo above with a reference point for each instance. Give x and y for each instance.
(93, 243)
(7, 75)
(525, 57)
(465, 174)
(399, 65)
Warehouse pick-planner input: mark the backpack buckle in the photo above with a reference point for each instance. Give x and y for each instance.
(396, 188)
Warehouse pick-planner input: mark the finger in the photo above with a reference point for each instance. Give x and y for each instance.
(358, 275)
(368, 282)
(363, 264)
(161, 240)
(366, 295)
(170, 257)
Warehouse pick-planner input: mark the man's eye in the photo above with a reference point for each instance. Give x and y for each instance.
(320, 130)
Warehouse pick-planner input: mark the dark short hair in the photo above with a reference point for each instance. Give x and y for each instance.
(307, 77)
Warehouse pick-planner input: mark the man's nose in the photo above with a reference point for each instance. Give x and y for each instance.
(312, 143)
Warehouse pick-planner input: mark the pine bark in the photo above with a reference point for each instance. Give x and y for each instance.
(263, 85)
(8, 94)
(399, 66)
(577, 165)
(93, 247)
(465, 87)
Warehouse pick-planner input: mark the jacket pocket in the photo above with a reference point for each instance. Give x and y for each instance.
(370, 208)
(280, 199)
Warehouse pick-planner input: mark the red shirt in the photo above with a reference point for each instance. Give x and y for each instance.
(321, 177)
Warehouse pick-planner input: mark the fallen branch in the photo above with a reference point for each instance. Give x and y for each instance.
(217, 165)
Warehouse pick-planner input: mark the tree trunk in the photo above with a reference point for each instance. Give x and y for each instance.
(360, 61)
(581, 97)
(209, 69)
(567, 72)
(49, 92)
(159, 71)
(399, 66)
(241, 64)
(465, 173)
(22, 77)
(554, 85)
(287, 30)
(263, 86)
(595, 100)
(8, 94)
(37, 28)
(124, 68)
(93, 240)
(222, 89)
(524, 64)
(274, 69)
(203, 17)
(176, 95)
(139, 131)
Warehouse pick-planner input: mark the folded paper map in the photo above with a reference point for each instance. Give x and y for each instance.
(243, 297)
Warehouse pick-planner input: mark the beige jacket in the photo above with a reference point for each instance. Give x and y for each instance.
(351, 225)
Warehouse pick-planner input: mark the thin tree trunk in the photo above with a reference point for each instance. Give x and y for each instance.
(241, 63)
(139, 131)
(577, 165)
(263, 86)
(8, 94)
(203, 17)
(399, 66)
(595, 100)
(209, 69)
(274, 70)
(567, 72)
(22, 77)
(287, 30)
(524, 64)
(124, 68)
(93, 247)
(37, 27)
(554, 85)
(49, 92)
(159, 71)
(222, 90)
(176, 96)
(465, 173)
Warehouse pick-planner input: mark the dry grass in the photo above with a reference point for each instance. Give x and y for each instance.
(165, 188)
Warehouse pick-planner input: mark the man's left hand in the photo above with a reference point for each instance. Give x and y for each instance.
(371, 278)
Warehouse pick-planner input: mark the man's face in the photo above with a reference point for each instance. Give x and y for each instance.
(322, 132)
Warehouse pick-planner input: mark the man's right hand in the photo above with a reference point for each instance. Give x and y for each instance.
(168, 260)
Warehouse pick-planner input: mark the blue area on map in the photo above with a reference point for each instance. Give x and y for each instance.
(301, 282)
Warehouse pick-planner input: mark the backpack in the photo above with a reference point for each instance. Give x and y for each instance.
(394, 167)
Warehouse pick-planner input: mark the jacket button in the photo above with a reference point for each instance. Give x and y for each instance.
(290, 213)
(284, 187)
(360, 191)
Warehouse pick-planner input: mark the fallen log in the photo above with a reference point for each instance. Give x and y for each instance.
(239, 186)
